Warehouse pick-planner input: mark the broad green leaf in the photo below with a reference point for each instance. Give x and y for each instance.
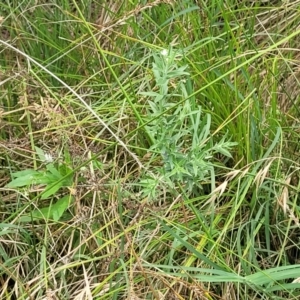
(60, 207)
(37, 214)
(25, 173)
(24, 181)
(53, 212)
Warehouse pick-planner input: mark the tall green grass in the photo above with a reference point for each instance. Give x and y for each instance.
(149, 150)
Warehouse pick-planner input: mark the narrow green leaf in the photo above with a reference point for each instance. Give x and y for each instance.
(53, 171)
(191, 247)
(51, 190)
(151, 94)
(274, 274)
(40, 153)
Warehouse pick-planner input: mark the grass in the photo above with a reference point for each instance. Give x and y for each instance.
(149, 150)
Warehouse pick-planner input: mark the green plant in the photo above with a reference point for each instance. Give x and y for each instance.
(180, 133)
(47, 181)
